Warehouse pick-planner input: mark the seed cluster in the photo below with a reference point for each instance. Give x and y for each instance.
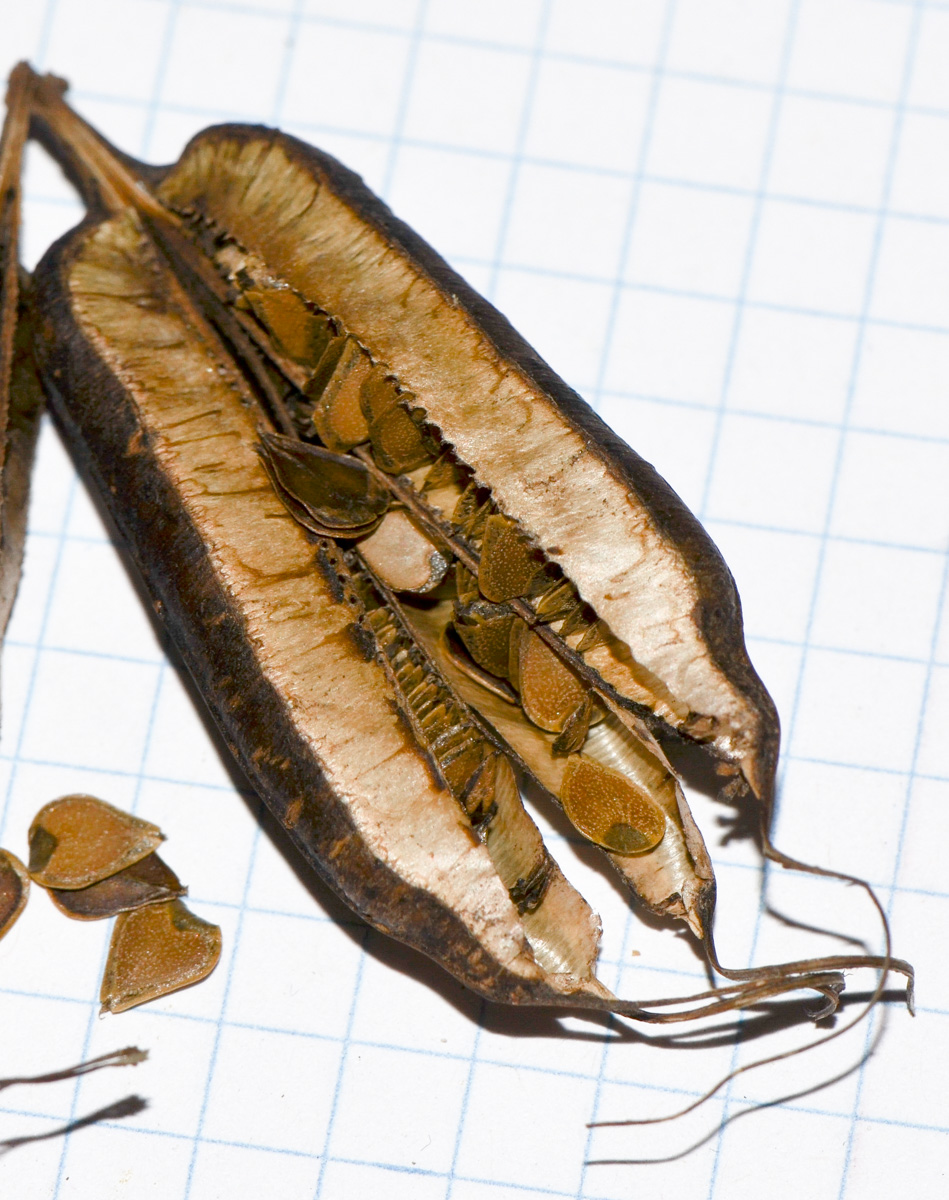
(96, 861)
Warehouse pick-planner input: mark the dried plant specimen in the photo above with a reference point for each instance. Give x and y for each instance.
(14, 890)
(21, 398)
(402, 560)
(77, 841)
(148, 881)
(156, 950)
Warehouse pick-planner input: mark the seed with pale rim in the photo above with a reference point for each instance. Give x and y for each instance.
(77, 840)
(149, 881)
(154, 951)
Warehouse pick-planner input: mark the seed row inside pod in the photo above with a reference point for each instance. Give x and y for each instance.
(517, 627)
(97, 861)
(406, 567)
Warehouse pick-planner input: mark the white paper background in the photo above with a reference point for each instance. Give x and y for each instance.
(726, 222)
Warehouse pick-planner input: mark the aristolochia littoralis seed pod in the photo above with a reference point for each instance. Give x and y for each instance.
(301, 418)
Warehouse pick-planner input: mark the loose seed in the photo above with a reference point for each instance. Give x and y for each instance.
(77, 840)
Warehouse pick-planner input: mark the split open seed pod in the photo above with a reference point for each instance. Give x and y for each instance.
(300, 418)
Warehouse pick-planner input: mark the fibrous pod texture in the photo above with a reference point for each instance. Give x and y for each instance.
(406, 565)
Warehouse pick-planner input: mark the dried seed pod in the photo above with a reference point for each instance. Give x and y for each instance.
(78, 840)
(148, 881)
(353, 719)
(154, 951)
(14, 890)
(21, 397)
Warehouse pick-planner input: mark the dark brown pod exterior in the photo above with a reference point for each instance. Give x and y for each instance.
(267, 616)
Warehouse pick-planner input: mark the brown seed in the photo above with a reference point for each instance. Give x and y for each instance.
(298, 331)
(550, 691)
(378, 393)
(326, 492)
(460, 657)
(397, 442)
(154, 951)
(149, 881)
(337, 413)
(14, 890)
(507, 565)
(609, 809)
(402, 556)
(77, 840)
(485, 630)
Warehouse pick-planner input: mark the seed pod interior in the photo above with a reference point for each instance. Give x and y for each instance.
(256, 363)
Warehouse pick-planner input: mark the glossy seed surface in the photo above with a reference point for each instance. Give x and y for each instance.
(14, 890)
(154, 951)
(77, 840)
(149, 881)
(326, 492)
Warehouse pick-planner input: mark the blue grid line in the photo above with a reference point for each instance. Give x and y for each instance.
(856, 765)
(668, 21)
(154, 102)
(774, 124)
(760, 198)
(198, 1137)
(518, 153)
(46, 31)
(44, 623)
(851, 390)
(532, 160)
(347, 1043)
(527, 106)
(917, 746)
(597, 63)
(294, 19)
(93, 1007)
(405, 94)
(653, 1088)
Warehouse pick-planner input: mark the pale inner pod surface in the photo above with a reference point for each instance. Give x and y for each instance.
(622, 537)
(549, 588)
(353, 786)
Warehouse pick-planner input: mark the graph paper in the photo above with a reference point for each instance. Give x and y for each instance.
(726, 223)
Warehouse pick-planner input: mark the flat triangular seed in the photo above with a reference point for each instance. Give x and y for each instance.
(77, 840)
(337, 412)
(485, 630)
(559, 600)
(397, 442)
(338, 492)
(508, 567)
(609, 808)
(550, 691)
(402, 556)
(154, 951)
(459, 655)
(299, 332)
(14, 890)
(149, 881)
